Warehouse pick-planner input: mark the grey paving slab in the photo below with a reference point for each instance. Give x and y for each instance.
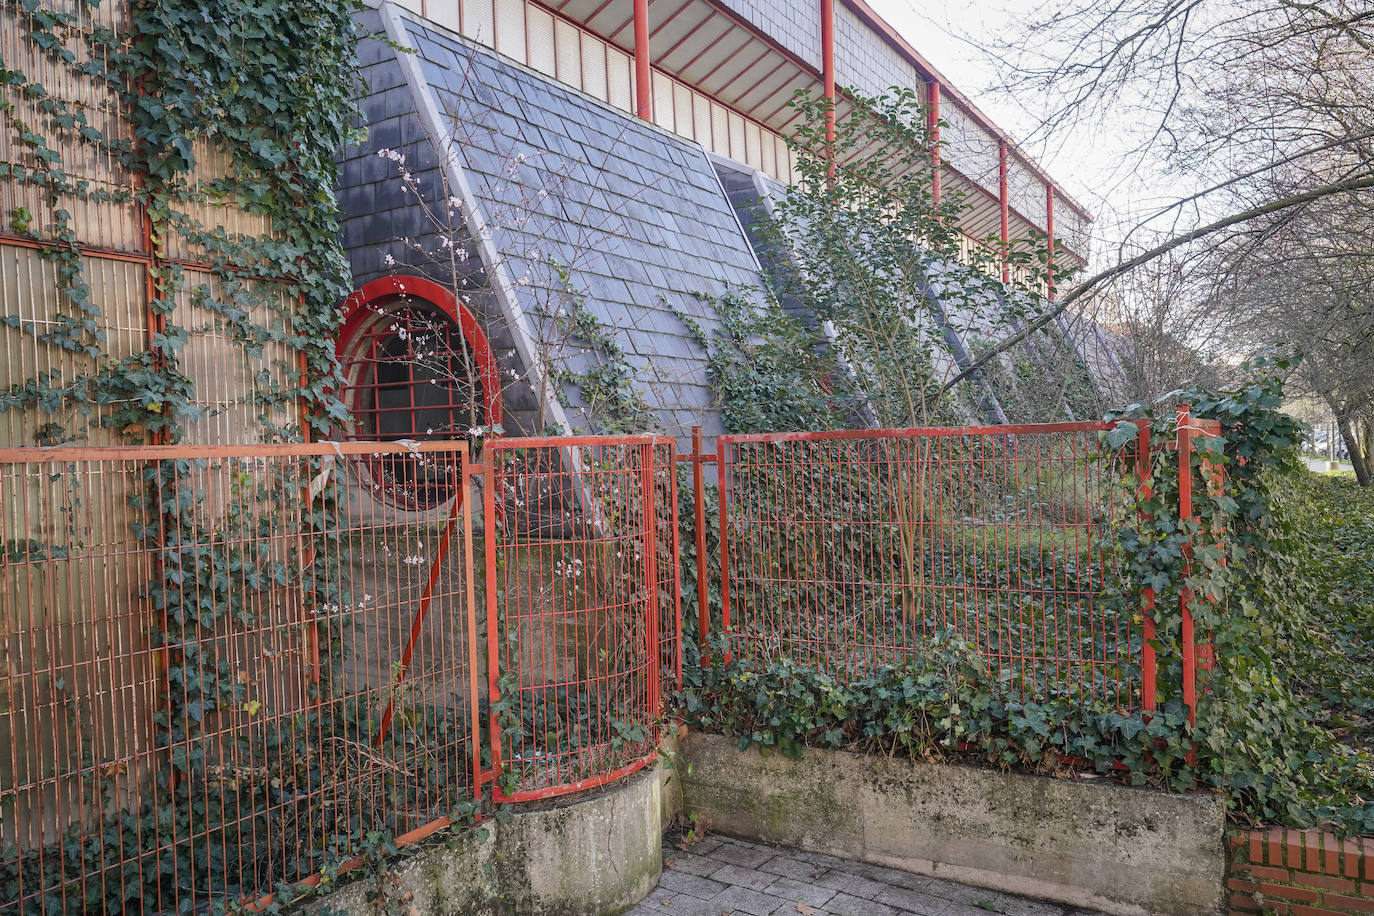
(661, 904)
(913, 901)
(737, 900)
(693, 885)
(849, 905)
(752, 878)
(733, 852)
(850, 883)
(689, 863)
(794, 891)
(792, 867)
(892, 876)
(721, 876)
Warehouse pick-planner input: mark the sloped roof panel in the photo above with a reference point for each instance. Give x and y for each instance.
(634, 216)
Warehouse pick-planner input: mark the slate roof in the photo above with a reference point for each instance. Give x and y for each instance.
(636, 215)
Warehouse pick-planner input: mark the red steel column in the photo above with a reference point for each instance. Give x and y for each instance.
(933, 127)
(828, 74)
(1148, 662)
(644, 104)
(1185, 514)
(1049, 239)
(1002, 203)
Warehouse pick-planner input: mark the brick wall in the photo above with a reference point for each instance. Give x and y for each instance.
(1300, 872)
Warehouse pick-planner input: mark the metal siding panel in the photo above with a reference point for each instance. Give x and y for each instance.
(663, 100)
(540, 36)
(479, 21)
(620, 79)
(568, 48)
(720, 130)
(510, 28)
(770, 155)
(683, 122)
(736, 136)
(446, 13)
(752, 142)
(593, 66)
(701, 119)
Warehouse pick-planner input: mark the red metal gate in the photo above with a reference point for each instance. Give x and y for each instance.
(581, 607)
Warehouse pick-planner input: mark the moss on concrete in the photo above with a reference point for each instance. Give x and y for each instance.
(589, 854)
(1087, 843)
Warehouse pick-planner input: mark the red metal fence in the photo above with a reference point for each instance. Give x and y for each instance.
(848, 550)
(581, 604)
(222, 666)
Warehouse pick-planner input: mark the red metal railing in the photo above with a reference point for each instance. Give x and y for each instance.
(225, 664)
(581, 608)
(848, 550)
(222, 665)
(200, 644)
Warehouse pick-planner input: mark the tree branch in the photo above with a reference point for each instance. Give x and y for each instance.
(1090, 284)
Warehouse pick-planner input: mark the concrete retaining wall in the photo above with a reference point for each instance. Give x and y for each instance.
(1087, 843)
(592, 855)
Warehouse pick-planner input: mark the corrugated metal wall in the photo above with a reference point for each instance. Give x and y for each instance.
(231, 376)
(54, 615)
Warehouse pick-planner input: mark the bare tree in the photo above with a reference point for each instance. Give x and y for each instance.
(1261, 110)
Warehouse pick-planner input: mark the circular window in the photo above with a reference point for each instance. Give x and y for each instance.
(415, 367)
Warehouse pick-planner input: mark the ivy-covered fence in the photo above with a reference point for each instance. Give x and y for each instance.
(226, 668)
(232, 672)
(848, 551)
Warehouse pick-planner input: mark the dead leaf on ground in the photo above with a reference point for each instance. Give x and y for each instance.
(806, 910)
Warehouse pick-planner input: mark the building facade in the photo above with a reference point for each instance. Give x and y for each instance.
(598, 160)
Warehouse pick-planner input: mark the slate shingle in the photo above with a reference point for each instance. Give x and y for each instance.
(615, 199)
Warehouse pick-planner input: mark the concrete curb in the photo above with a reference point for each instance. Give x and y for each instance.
(1088, 843)
(590, 855)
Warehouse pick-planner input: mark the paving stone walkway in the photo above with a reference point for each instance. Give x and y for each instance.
(720, 876)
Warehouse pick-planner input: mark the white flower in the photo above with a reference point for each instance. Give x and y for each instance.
(388, 260)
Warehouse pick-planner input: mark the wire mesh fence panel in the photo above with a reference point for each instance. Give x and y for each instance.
(667, 566)
(222, 665)
(574, 595)
(848, 551)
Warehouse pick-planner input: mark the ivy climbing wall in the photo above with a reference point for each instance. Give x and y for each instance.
(169, 273)
(168, 229)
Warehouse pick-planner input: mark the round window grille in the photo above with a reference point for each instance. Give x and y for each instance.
(415, 369)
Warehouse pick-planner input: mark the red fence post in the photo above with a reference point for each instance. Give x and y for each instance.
(650, 521)
(699, 506)
(493, 636)
(1148, 663)
(1214, 476)
(1185, 514)
(470, 589)
(723, 475)
(674, 553)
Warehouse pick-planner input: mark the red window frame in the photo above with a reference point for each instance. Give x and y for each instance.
(363, 311)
